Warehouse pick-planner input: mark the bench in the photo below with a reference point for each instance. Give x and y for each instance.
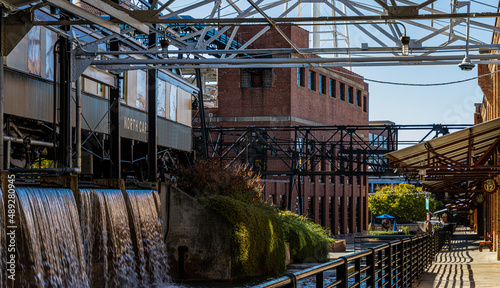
(487, 243)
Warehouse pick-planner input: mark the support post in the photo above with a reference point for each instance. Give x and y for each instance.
(2, 160)
(202, 114)
(64, 102)
(78, 125)
(114, 127)
(152, 98)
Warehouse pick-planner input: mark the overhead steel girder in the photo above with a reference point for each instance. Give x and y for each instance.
(277, 61)
(326, 19)
(118, 14)
(67, 6)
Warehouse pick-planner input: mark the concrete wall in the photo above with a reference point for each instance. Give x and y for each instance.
(197, 240)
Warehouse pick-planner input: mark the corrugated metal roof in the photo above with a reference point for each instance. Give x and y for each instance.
(454, 147)
(452, 161)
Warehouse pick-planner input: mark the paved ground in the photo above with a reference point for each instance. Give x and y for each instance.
(463, 266)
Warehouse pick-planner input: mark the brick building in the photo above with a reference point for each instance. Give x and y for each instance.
(487, 215)
(288, 97)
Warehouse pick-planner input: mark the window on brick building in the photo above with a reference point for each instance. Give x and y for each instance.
(365, 104)
(300, 77)
(321, 212)
(342, 91)
(332, 88)
(358, 98)
(260, 77)
(322, 84)
(312, 80)
(331, 216)
(350, 95)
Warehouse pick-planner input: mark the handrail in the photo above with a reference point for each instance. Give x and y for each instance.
(397, 263)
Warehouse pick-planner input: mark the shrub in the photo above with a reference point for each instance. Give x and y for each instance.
(257, 245)
(207, 177)
(406, 230)
(309, 241)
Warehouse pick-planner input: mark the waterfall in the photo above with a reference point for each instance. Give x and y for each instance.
(148, 232)
(134, 254)
(108, 239)
(93, 238)
(50, 242)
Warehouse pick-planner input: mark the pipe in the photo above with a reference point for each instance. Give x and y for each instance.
(288, 60)
(286, 21)
(2, 59)
(78, 124)
(59, 171)
(2, 164)
(54, 104)
(304, 50)
(32, 142)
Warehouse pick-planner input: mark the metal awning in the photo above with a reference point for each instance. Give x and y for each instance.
(456, 162)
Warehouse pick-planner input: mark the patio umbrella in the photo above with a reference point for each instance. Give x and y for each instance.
(385, 216)
(395, 228)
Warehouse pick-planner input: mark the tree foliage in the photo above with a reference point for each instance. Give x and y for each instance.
(401, 201)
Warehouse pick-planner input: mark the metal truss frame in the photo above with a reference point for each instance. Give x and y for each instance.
(201, 26)
(312, 150)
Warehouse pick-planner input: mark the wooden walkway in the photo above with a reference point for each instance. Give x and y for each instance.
(463, 266)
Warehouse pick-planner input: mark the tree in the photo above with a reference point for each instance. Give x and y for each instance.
(403, 201)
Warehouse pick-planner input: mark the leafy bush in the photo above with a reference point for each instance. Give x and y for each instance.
(406, 230)
(384, 233)
(207, 178)
(257, 245)
(309, 241)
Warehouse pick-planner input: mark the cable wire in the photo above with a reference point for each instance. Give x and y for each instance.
(429, 84)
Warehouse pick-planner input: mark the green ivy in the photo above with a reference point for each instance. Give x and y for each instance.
(257, 245)
(309, 242)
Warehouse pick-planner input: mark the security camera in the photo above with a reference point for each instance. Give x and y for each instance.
(466, 64)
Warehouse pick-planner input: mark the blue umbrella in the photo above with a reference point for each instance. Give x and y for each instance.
(385, 216)
(395, 228)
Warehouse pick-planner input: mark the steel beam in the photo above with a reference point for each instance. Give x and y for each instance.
(256, 61)
(69, 7)
(114, 103)
(120, 15)
(65, 103)
(152, 119)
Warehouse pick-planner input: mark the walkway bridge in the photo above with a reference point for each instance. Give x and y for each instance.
(312, 150)
(419, 261)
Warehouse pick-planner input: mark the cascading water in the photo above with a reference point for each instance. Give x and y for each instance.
(148, 231)
(50, 242)
(108, 239)
(134, 254)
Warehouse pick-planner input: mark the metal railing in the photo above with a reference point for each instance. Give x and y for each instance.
(395, 264)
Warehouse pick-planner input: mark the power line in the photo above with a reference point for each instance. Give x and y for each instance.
(429, 84)
(478, 2)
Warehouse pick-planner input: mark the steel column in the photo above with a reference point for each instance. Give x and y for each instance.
(152, 133)
(114, 126)
(64, 102)
(202, 114)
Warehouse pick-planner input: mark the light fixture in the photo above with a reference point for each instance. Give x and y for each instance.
(466, 64)
(164, 43)
(405, 45)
